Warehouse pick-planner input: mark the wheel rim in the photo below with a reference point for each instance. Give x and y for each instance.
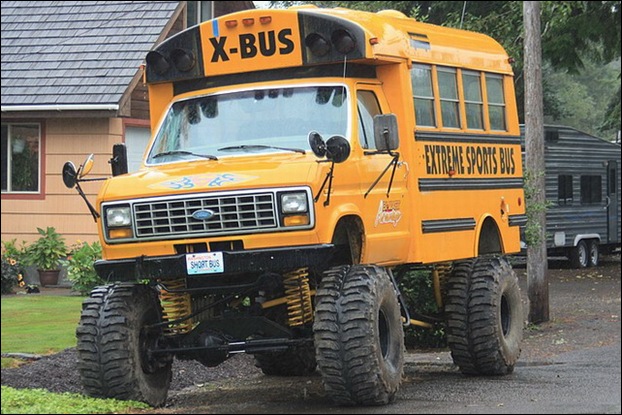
(582, 256)
(383, 334)
(505, 316)
(593, 254)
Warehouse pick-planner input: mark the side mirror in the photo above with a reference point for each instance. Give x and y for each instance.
(386, 135)
(118, 162)
(337, 149)
(87, 166)
(70, 175)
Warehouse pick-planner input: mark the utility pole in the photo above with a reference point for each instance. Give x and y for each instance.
(537, 262)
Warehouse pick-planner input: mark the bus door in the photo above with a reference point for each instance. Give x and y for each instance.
(382, 181)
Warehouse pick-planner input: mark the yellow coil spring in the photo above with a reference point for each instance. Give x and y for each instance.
(440, 273)
(174, 306)
(298, 295)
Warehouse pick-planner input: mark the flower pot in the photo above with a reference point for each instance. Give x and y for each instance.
(48, 277)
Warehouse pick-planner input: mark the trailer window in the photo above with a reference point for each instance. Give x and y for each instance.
(591, 190)
(564, 189)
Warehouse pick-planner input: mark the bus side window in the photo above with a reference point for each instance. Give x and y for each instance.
(367, 108)
(496, 102)
(423, 96)
(448, 94)
(473, 100)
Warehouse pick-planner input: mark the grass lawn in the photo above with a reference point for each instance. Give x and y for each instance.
(39, 324)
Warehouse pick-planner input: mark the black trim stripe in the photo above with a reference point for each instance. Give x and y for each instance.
(447, 225)
(429, 185)
(517, 220)
(467, 138)
(324, 71)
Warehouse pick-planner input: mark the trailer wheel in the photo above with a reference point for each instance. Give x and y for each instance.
(113, 358)
(359, 338)
(593, 253)
(579, 255)
(299, 361)
(484, 316)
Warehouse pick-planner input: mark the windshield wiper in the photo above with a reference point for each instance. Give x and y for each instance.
(184, 153)
(260, 147)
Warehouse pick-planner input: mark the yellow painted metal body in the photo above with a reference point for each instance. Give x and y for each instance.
(394, 231)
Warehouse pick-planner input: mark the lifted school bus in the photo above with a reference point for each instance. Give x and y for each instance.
(298, 157)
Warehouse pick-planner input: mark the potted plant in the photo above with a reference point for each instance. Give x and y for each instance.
(46, 254)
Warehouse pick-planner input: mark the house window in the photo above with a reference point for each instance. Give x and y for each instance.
(199, 11)
(591, 190)
(473, 100)
(564, 189)
(421, 79)
(21, 151)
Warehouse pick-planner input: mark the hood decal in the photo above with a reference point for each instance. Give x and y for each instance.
(202, 181)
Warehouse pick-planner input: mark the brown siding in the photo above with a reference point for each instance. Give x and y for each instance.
(65, 139)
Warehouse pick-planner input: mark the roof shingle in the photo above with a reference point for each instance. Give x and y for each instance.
(76, 52)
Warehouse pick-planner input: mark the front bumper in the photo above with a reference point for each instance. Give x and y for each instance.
(316, 257)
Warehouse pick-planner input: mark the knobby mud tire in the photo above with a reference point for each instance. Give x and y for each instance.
(359, 338)
(484, 315)
(112, 344)
(299, 361)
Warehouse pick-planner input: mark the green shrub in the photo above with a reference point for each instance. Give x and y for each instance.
(80, 270)
(417, 289)
(47, 252)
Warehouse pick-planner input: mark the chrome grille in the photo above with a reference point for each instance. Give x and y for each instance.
(232, 213)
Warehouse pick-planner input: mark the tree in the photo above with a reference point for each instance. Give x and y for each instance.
(538, 288)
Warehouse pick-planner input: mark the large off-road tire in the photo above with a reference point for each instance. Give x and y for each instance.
(113, 343)
(299, 361)
(359, 338)
(484, 316)
(579, 255)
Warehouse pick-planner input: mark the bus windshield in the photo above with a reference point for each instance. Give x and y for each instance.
(252, 121)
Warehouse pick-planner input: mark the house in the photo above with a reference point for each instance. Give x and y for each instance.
(71, 86)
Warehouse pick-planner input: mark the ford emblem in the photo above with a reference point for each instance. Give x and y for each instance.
(203, 214)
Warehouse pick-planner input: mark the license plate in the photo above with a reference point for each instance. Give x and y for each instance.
(205, 263)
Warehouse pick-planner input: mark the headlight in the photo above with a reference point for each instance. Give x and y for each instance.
(294, 203)
(118, 216)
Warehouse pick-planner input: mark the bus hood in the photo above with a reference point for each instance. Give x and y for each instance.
(199, 176)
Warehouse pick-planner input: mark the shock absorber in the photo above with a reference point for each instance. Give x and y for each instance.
(175, 305)
(298, 296)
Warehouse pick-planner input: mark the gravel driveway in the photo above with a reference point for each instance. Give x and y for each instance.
(584, 313)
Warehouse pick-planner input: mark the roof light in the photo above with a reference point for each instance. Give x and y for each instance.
(317, 44)
(374, 41)
(249, 21)
(343, 41)
(265, 19)
(231, 23)
(183, 59)
(157, 62)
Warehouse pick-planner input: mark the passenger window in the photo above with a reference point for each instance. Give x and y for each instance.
(423, 96)
(496, 102)
(473, 100)
(367, 108)
(448, 89)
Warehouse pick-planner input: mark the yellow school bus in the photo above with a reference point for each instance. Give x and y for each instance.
(299, 157)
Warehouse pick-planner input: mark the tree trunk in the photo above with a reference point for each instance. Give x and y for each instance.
(537, 265)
